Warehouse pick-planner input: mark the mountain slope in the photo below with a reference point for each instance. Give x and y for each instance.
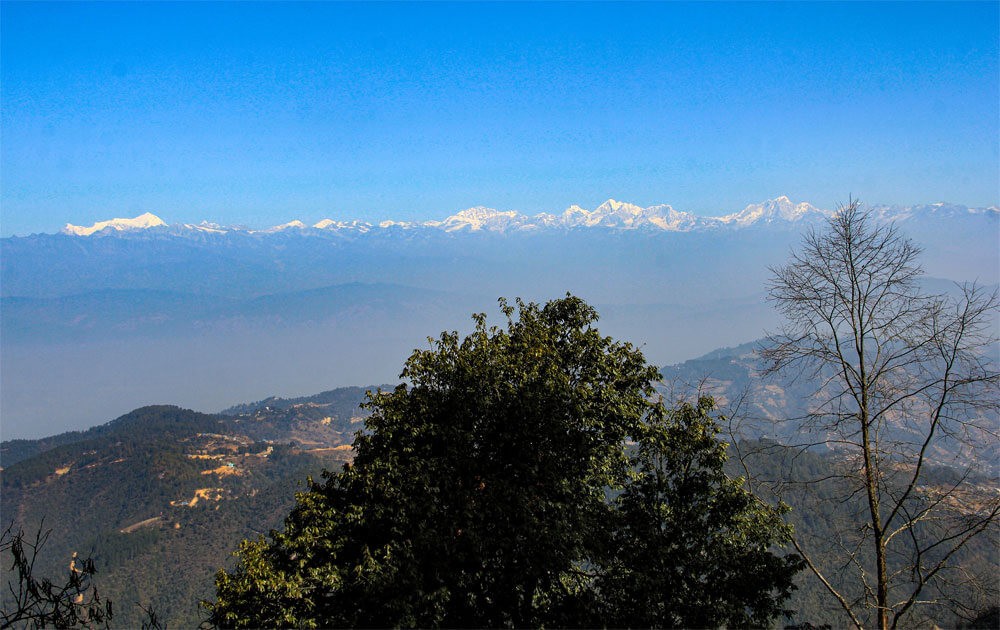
(160, 496)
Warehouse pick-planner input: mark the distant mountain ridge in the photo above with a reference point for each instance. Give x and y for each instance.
(140, 311)
(612, 214)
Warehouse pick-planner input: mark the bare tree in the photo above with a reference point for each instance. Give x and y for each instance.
(904, 382)
(33, 602)
(30, 601)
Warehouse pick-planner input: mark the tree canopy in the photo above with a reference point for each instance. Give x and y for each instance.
(523, 476)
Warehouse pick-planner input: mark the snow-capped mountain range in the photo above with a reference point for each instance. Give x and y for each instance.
(141, 222)
(613, 215)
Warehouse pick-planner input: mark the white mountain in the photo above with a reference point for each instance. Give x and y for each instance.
(291, 225)
(406, 225)
(610, 215)
(330, 224)
(780, 209)
(481, 218)
(666, 218)
(141, 222)
(620, 215)
(205, 226)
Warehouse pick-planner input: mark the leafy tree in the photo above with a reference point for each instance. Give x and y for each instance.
(898, 373)
(482, 495)
(693, 547)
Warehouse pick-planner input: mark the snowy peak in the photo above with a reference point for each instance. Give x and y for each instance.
(625, 216)
(619, 208)
(206, 227)
(573, 216)
(779, 209)
(620, 214)
(666, 218)
(141, 222)
(291, 225)
(480, 218)
(405, 225)
(330, 224)
(662, 216)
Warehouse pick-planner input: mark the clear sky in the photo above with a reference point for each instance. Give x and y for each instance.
(260, 113)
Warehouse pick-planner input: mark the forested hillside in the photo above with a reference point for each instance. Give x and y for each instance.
(134, 494)
(158, 497)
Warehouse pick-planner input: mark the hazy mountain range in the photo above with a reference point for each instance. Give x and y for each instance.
(101, 319)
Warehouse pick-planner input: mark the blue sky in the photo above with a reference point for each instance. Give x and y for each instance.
(260, 113)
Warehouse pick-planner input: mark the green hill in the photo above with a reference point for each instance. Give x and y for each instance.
(161, 496)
